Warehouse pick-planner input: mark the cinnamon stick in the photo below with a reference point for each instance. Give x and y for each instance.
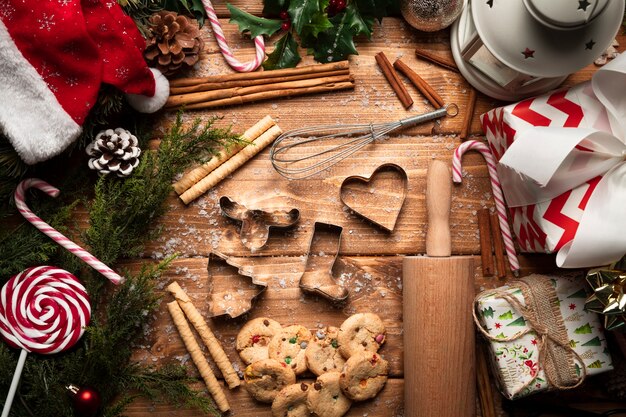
(469, 114)
(309, 69)
(197, 174)
(498, 244)
(257, 81)
(205, 96)
(484, 227)
(394, 80)
(267, 95)
(437, 59)
(424, 88)
(485, 392)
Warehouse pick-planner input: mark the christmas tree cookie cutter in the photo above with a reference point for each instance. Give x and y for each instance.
(256, 223)
(373, 198)
(231, 296)
(322, 255)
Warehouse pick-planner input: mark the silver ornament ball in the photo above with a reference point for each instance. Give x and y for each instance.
(431, 15)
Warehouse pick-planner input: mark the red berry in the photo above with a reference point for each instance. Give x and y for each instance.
(284, 15)
(285, 25)
(340, 5)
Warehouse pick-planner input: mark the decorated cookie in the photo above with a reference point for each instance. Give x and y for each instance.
(361, 332)
(291, 401)
(254, 337)
(363, 376)
(325, 398)
(322, 354)
(265, 378)
(288, 347)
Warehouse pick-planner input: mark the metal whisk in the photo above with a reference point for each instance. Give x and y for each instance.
(290, 158)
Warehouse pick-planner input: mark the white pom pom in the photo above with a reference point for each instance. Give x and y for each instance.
(145, 104)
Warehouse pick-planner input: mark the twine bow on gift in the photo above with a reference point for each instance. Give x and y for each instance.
(546, 162)
(541, 312)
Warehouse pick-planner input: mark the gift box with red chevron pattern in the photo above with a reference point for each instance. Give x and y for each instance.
(549, 225)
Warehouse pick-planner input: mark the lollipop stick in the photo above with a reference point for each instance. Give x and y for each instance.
(16, 379)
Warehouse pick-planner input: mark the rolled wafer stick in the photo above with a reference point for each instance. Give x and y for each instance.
(247, 83)
(267, 95)
(198, 358)
(204, 96)
(209, 339)
(421, 84)
(308, 69)
(231, 165)
(195, 175)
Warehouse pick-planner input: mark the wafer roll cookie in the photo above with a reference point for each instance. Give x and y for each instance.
(198, 358)
(195, 175)
(231, 165)
(209, 339)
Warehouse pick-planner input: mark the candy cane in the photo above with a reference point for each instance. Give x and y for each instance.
(259, 43)
(497, 193)
(43, 310)
(53, 233)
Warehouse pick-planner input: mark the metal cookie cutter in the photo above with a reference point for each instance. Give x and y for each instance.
(227, 296)
(318, 272)
(256, 223)
(379, 206)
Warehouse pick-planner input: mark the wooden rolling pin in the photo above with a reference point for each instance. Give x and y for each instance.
(438, 291)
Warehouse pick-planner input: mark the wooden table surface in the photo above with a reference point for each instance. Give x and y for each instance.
(370, 259)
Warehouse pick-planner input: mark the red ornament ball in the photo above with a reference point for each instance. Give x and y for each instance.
(86, 401)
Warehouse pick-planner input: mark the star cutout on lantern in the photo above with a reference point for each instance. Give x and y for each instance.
(490, 3)
(589, 45)
(583, 4)
(528, 53)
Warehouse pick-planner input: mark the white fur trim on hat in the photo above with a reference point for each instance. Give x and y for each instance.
(30, 115)
(145, 104)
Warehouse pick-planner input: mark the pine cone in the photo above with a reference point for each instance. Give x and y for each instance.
(114, 151)
(174, 42)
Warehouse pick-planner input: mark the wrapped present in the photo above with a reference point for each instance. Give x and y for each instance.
(541, 337)
(561, 166)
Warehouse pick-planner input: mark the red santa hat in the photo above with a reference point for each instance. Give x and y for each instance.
(54, 54)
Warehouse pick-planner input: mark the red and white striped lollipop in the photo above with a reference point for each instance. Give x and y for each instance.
(43, 310)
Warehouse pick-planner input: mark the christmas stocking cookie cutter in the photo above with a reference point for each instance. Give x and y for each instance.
(321, 257)
(256, 223)
(367, 197)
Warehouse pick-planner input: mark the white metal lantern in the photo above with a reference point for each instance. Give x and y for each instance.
(511, 49)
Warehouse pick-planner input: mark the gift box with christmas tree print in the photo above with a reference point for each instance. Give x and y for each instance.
(540, 335)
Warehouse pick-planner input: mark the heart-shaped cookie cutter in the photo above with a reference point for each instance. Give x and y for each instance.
(256, 223)
(387, 221)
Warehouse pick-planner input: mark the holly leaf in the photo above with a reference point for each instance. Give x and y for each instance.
(274, 7)
(319, 22)
(255, 25)
(375, 8)
(285, 54)
(336, 43)
(302, 12)
(191, 7)
(361, 24)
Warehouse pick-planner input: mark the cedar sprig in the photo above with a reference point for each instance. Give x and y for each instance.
(124, 210)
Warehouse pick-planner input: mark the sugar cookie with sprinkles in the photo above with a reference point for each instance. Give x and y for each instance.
(322, 354)
(361, 332)
(364, 376)
(291, 401)
(325, 398)
(266, 378)
(289, 346)
(254, 337)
